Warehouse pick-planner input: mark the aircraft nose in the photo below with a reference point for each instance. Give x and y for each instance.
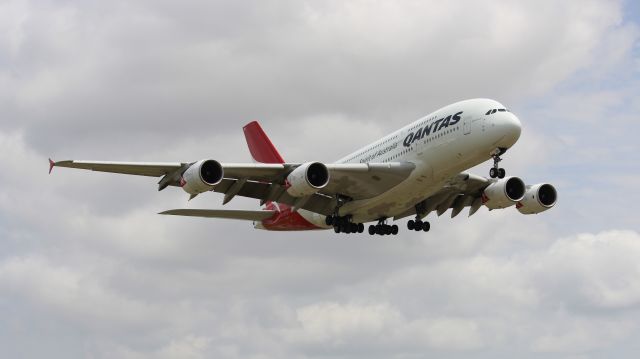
(510, 128)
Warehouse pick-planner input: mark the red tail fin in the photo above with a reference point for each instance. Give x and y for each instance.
(260, 146)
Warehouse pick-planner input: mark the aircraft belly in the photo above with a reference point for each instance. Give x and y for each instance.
(445, 161)
(316, 219)
(396, 200)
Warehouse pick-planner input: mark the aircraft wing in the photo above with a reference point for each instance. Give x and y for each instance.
(152, 169)
(355, 180)
(253, 171)
(463, 190)
(366, 180)
(266, 181)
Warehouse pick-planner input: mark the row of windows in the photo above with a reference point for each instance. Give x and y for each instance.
(372, 148)
(492, 111)
(415, 126)
(421, 123)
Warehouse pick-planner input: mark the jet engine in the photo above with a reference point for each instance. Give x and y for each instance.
(503, 193)
(307, 179)
(538, 198)
(201, 176)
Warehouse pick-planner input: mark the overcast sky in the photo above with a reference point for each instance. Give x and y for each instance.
(88, 269)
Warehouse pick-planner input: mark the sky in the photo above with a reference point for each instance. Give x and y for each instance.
(89, 270)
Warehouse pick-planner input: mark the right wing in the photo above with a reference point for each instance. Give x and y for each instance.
(462, 190)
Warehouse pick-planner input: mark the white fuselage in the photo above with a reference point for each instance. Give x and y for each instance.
(440, 145)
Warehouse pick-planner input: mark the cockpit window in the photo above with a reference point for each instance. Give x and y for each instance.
(492, 111)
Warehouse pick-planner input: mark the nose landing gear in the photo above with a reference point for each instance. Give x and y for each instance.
(496, 171)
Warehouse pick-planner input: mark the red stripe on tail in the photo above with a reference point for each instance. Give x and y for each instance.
(260, 146)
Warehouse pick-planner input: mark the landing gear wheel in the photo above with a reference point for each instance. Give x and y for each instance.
(336, 229)
(410, 224)
(394, 229)
(328, 220)
(496, 171)
(360, 227)
(426, 226)
(372, 229)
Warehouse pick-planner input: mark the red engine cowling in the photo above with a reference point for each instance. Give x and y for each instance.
(538, 198)
(503, 193)
(202, 176)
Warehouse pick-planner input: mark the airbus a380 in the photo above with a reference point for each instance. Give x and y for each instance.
(411, 172)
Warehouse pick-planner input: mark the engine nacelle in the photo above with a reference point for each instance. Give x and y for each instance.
(538, 198)
(503, 193)
(202, 176)
(307, 179)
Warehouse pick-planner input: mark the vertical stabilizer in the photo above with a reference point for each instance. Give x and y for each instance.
(261, 148)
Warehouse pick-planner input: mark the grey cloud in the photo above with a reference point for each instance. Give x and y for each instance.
(88, 269)
(116, 74)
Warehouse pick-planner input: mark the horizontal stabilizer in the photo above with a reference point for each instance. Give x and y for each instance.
(222, 213)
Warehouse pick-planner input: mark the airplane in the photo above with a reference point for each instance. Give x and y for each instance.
(412, 172)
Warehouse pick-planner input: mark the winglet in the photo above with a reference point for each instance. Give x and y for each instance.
(51, 165)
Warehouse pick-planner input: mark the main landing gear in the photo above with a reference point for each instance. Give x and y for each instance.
(418, 225)
(382, 228)
(496, 171)
(344, 224)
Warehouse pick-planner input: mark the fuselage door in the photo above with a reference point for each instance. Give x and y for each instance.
(466, 125)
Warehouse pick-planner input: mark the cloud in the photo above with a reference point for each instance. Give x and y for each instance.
(598, 269)
(489, 302)
(334, 326)
(89, 270)
(119, 74)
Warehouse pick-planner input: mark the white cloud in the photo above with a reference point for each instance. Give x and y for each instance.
(600, 270)
(89, 270)
(335, 323)
(190, 347)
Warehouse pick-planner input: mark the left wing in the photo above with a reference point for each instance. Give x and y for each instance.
(152, 169)
(268, 182)
(366, 180)
(256, 171)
